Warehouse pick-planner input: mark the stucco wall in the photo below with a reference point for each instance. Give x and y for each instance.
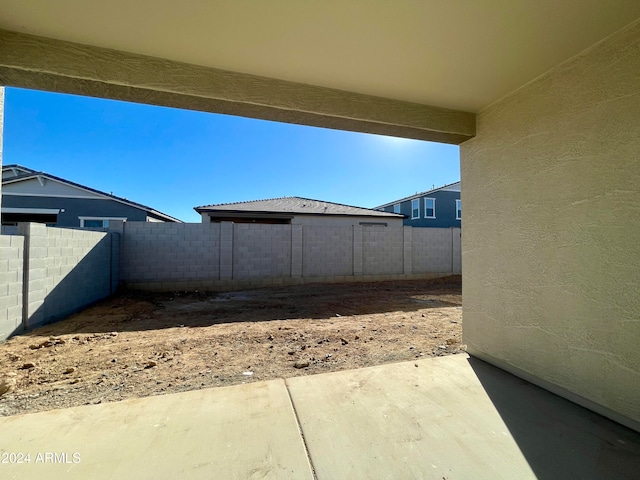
(550, 246)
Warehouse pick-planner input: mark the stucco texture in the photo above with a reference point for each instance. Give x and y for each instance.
(551, 233)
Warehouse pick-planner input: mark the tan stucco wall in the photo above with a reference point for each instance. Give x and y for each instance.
(551, 244)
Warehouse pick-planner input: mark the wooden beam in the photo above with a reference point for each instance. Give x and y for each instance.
(40, 63)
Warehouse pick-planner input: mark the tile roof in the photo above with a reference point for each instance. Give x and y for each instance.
(33, 174)
(294, 205)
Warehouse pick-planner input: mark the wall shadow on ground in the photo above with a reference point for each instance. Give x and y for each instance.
(90, 280)
(139, 311)
(559, 438)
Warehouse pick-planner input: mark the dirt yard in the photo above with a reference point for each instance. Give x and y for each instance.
(138, 343)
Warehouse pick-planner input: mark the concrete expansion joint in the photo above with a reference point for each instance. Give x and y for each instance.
(304, 441)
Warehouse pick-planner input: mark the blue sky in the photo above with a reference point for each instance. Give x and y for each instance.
(173, 160)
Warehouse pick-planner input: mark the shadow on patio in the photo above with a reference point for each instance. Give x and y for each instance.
(559, 438)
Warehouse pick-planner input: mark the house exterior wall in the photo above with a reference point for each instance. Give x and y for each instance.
(445, 211)
(76, 207)
(551, 263)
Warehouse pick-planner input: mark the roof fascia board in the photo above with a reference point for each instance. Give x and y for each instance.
(83, 197)
(28, 61)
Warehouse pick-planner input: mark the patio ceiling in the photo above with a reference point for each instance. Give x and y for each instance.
(459, 54)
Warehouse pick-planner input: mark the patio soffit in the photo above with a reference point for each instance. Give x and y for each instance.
(404, 67)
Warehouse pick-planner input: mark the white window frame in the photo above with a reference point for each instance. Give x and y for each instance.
(396, 208)
(426, 208)
(417, 201)
(83, 219)
(458, 209)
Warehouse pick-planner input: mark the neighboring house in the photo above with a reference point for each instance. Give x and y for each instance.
(297, 211)
(440, 207)
(31, 196)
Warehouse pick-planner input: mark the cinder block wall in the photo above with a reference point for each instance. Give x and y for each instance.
(11, 271)
(168, 252)
(226, 255)
(49, 273)
(261, 251)
(327, 251)
(436, 250)
(66, 270)
(382, 250)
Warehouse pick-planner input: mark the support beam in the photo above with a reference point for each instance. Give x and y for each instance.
(44, 64)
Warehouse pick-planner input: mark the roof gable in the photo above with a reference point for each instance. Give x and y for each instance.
(13, 170)
(44, 186)
(34, 183)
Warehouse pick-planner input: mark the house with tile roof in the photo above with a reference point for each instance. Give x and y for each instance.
(436, 208)
(297, 211)
(32, 196)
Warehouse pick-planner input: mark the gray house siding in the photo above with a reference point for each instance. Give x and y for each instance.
(445, 212)
(76, 207)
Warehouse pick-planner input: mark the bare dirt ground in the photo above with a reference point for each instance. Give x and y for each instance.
(137, 344)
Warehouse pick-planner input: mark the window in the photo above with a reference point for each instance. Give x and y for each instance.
(429, 208)
(458, 210)
(396, 208)
(415, 208)
(97, 222)
(94, 223)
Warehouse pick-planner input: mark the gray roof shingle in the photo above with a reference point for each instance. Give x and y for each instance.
(294, 205)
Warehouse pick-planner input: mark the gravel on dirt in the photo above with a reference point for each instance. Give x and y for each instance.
(137, 344)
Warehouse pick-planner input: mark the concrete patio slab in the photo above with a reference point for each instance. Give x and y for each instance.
(241, 432)
(448, 418)
(453, 418)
